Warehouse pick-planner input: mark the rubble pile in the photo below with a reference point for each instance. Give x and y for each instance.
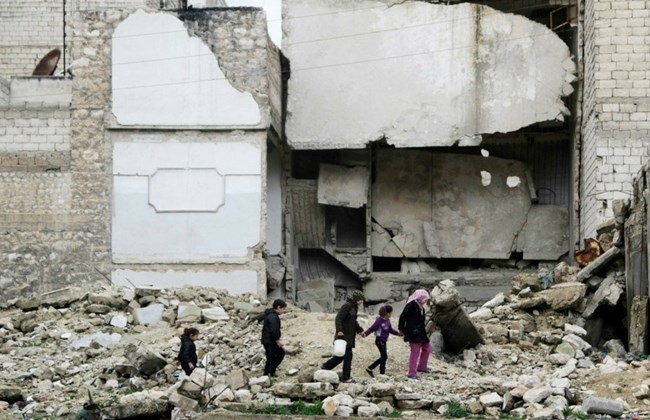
(543, 351)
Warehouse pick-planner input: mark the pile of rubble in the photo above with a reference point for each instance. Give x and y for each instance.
(540, 352)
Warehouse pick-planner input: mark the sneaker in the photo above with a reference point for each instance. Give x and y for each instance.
(349, 381)
(370, 372)
(413, 377)
(427, 370)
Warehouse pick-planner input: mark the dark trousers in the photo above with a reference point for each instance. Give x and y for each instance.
(383, 356)
(347, 363)
(274, 356)
(186, 368)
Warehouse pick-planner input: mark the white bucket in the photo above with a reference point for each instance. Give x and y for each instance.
(339, 347)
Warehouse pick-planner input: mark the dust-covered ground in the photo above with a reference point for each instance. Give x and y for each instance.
(533, 363)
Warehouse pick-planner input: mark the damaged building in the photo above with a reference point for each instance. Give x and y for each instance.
(432, 139)
(387, 145)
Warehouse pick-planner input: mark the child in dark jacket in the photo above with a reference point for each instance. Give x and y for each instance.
(187, 354)
(382, 329)
(346, 329)
(271, 334)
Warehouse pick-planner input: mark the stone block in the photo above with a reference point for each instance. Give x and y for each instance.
(596, 405)
(151, 314)
(145, 360)
(183, 402)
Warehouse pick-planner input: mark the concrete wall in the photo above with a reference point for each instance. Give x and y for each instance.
(44, 129)
(616, 113)
(419, 74)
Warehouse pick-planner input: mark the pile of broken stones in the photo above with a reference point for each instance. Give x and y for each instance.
(534, 359)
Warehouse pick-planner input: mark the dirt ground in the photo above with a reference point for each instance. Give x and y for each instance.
(314, 333)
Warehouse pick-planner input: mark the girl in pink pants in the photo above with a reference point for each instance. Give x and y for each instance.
(411, 324)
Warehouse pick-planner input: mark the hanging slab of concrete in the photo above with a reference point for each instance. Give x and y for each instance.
(417, 194)
(418, 74)
(342, 186)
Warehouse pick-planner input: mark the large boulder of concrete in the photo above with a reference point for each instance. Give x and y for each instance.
(458, 330)
(145, 360)
(149, 404)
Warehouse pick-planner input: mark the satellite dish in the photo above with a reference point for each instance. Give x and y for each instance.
(47, 65)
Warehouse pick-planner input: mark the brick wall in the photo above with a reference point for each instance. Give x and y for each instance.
(29, 29)
(616, 105)
(41, 129)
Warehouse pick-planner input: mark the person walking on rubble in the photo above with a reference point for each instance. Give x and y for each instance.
(346, 329)
(187, 354)
(271, 334)
(382, 329)
(411, 324)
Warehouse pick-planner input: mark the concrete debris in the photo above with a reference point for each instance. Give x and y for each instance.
(503, 358)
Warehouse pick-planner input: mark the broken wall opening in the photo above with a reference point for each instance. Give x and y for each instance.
(608, 323)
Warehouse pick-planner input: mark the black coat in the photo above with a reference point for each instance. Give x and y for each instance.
(187, 353)
(271, 328)
(346, 321)
(411, 323)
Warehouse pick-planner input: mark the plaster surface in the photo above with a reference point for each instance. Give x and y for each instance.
(162, 76)
(416, 73)
(207, 207)
(236, 282)
(40, 91)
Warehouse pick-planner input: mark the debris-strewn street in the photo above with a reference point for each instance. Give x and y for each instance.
(118, 345)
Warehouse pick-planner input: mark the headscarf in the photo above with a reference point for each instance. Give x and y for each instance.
(355, 296)
(419, 295)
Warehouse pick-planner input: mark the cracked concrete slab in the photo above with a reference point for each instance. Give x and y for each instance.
(545, 235)
(416, 73)
(435, 206)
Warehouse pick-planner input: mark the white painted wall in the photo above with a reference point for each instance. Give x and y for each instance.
(162, 76)
(420, 74)
(206, 207)
(236, 282)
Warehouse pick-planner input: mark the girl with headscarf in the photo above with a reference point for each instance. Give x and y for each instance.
(411, 324)
(346, 329)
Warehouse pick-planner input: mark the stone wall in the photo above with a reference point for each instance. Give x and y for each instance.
(56, 160)
(617, 104)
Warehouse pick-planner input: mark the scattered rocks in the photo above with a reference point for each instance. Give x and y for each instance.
(528, 355)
